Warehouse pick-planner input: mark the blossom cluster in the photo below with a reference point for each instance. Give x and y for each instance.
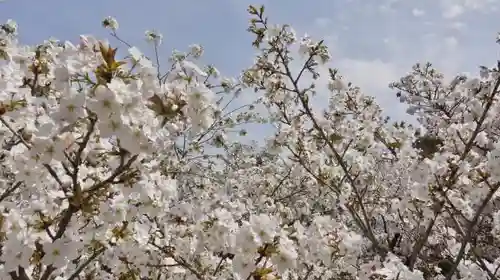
(113, 169)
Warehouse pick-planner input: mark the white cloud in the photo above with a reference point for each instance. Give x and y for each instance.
(385, 39)
(417, 12)
(322, 22)
(371, 76)
(451, 42)
(374, 75)
(453, 11)
(457, 25)
(455, 8)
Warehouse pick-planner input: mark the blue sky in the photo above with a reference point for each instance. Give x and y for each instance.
(372, 42)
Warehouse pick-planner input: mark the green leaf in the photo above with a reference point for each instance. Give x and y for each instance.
(335, 138)
(252, 10)
(394, 145)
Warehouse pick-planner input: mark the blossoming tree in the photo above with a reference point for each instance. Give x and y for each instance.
(111, 169)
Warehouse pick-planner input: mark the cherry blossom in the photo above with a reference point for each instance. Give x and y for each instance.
(114, 169)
